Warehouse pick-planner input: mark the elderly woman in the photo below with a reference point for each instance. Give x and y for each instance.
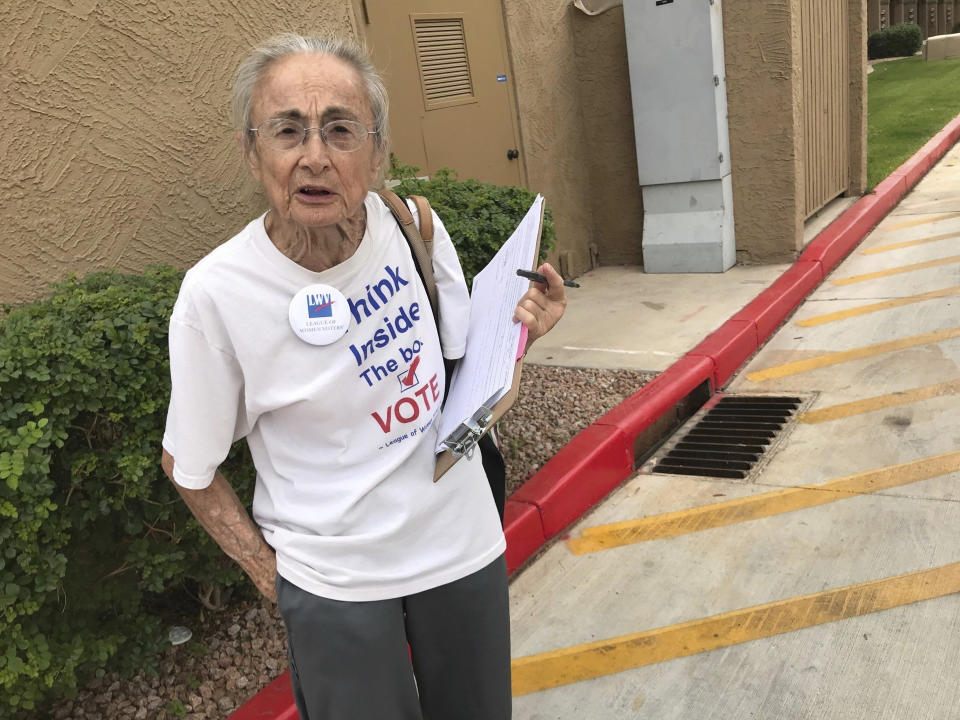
(293, 334)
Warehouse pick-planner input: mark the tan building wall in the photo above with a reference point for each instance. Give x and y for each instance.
(607, 116)
(857, 39)
(123, 155)
(543, 56)
(762, 48)
(573, 97)
(117, 151)
(762, 55)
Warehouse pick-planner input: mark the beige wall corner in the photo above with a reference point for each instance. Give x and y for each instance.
(857, 34)
(792, 235)
(542, 46)
(614, 191)
(762, 56)
(118, 151)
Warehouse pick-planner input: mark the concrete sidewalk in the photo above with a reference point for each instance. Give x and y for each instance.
(624, 318)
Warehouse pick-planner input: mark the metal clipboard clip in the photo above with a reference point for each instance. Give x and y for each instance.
(462, 441)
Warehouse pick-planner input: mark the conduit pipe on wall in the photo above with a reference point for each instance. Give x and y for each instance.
(596, 7)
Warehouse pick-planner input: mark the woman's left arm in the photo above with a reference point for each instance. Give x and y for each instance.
(542, 306)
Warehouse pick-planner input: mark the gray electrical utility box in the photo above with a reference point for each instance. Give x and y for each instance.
(678, 90)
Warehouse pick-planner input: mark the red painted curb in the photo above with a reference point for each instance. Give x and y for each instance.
(274, 702)
(844, 233)
(524, 532)
(952, 130)
(601, 457)
(893, 187)
(660, 395)
(773, 305)
(835, 243)
(573, 480)
(728, 347)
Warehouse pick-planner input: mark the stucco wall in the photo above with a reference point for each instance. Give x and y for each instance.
(857, 38)
(762, 55)
(543, 56)
(117, 151)
(573, 97)
(607, 131)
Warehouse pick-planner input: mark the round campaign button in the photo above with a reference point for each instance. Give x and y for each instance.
(319, 314)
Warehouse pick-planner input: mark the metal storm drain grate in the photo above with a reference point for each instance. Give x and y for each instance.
(730, 437)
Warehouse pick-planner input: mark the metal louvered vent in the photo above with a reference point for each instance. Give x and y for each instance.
(730, 437)
(442, 56)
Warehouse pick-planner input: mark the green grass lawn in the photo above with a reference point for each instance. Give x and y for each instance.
(909, 102)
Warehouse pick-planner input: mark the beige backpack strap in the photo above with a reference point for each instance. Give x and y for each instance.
(422, 250)
(426, 220)
(397, 206)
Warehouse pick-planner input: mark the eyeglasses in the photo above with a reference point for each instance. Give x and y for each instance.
(286, 134)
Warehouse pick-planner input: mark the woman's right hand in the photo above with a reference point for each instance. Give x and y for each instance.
(542, 306)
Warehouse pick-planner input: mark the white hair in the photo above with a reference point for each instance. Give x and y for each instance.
(269, 51)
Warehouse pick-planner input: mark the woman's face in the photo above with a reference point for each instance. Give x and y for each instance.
(312, 184)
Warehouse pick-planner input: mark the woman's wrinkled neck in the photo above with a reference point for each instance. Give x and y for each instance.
(317, 248)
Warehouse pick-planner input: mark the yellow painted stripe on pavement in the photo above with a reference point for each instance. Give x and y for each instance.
(606, 657)
(877, 307)
(897, 270)
(908, 243)
(925, 221)
(819, 361)
(730, 512)
(879, 402)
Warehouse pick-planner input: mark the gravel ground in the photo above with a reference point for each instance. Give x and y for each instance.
(554, 404)
(240, 651)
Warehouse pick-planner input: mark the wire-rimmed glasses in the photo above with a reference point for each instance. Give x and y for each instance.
(287, 133)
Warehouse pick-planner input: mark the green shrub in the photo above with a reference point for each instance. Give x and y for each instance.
(96, 545)
(895, 41)
(479, 216)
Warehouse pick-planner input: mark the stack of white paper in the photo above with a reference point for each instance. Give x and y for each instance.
(485, 372)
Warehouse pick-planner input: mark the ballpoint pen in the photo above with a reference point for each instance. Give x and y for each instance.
(537, 277)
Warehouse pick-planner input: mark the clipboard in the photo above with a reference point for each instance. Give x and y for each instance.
(476, 426)
(462, 442)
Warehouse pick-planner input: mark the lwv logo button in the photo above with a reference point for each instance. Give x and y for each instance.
(319, 314)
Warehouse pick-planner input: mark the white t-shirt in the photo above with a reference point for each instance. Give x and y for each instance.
(342, 435)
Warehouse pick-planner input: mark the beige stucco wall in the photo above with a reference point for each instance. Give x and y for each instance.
(117, 151)
(762, 52)
(762, 55)
(607, 116)
(542, 53)
(573, 97)
(857, 62)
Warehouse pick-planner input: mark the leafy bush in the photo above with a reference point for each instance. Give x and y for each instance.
(895, 41)
(479, 216)
(96, 544)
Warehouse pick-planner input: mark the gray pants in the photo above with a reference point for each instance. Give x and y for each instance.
(349, 660)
